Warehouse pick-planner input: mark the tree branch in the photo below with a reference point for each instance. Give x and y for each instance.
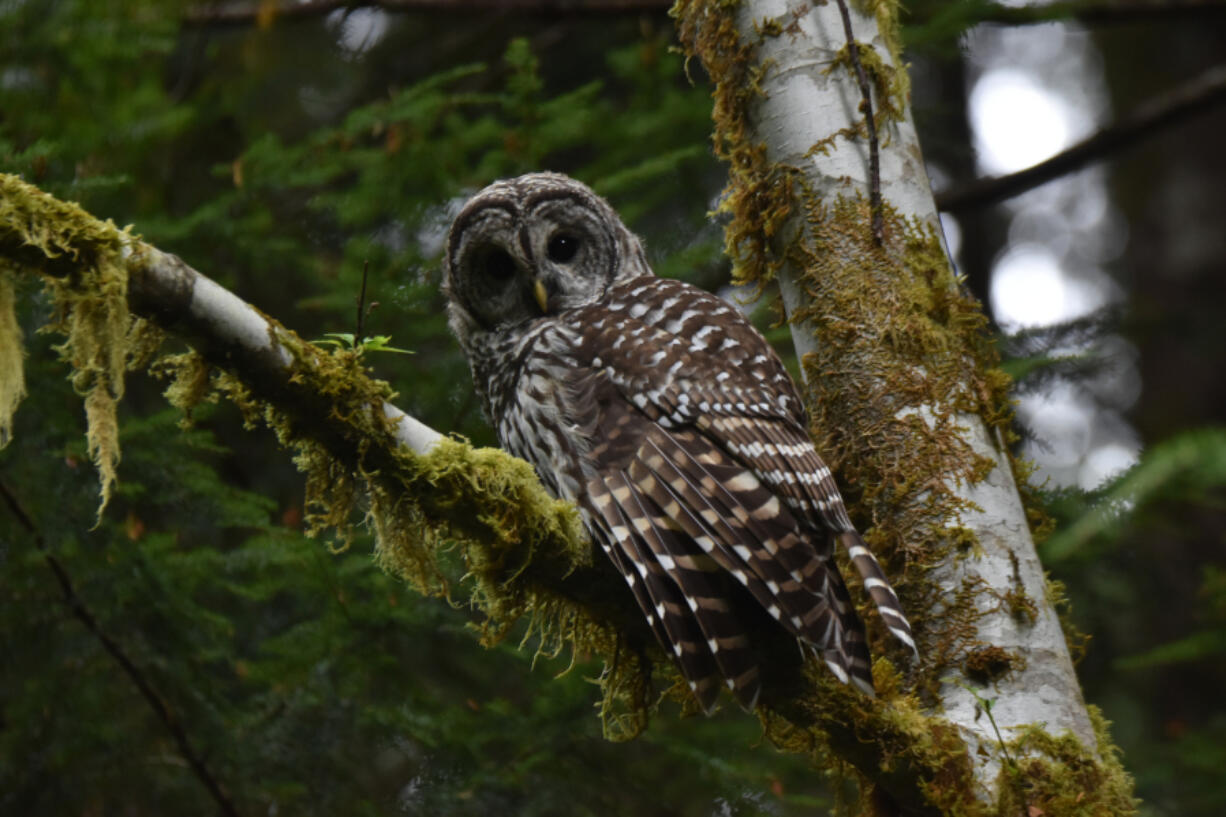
(246, 13)
(1099, 13)
(83, 614)
(525, 550)
(1152, 116)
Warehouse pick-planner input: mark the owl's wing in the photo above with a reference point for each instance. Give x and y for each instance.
(681, 518)
(718, 430)
(723, 377)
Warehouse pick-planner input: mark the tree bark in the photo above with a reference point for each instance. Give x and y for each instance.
(800, 127)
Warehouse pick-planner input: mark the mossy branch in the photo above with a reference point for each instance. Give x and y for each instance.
(524, 553)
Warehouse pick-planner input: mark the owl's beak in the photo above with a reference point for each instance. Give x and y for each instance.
(542, 297)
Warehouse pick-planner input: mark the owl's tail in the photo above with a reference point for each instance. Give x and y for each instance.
(878, 586)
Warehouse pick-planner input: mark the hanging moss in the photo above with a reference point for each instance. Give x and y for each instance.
(525, 527)
(12, 377)
(190, 382)
(88, 291)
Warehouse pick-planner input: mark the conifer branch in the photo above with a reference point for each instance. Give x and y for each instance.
(83, 614)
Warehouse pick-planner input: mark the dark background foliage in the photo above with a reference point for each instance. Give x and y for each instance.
(283, 155)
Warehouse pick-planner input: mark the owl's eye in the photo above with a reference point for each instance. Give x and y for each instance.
(498, 265)
(562, 248)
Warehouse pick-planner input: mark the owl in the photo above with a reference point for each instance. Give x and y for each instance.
(660, 412)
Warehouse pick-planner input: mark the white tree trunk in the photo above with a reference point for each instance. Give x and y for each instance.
(801, 103)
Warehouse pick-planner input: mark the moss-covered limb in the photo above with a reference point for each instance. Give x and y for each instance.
(524, 553)
(904, 398)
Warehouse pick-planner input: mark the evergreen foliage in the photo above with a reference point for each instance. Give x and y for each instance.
(285, 158)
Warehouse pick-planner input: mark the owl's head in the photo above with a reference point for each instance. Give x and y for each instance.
(530, 247)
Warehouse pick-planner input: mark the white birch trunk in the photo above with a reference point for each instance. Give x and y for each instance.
(802, 103)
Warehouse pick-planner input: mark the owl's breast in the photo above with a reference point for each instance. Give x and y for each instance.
(539, 411)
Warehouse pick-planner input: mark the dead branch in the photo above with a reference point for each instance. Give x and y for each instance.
(1151, 117)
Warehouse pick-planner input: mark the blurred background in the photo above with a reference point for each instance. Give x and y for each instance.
(282, 148)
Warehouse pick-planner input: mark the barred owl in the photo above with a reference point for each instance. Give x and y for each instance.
(670, 422)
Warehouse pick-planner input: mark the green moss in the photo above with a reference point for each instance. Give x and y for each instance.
(1021, 607)
(1078, 642)
(889, 86)
(885, 12)
(901, 363)
(190, 382)
(12, 377)
(1059, 776)
(513, 541)
(89, 296)
(990, 663)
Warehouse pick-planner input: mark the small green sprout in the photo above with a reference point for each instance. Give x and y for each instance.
(347, 340)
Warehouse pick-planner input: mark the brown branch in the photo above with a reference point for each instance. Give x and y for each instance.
(866, 105)
(83, 614)
(1148, 118)
(244, 13)
(1098, 13)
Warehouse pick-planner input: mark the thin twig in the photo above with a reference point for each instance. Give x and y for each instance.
(1148, 118)
(83, 614)
(358, 331)
(866, 105)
